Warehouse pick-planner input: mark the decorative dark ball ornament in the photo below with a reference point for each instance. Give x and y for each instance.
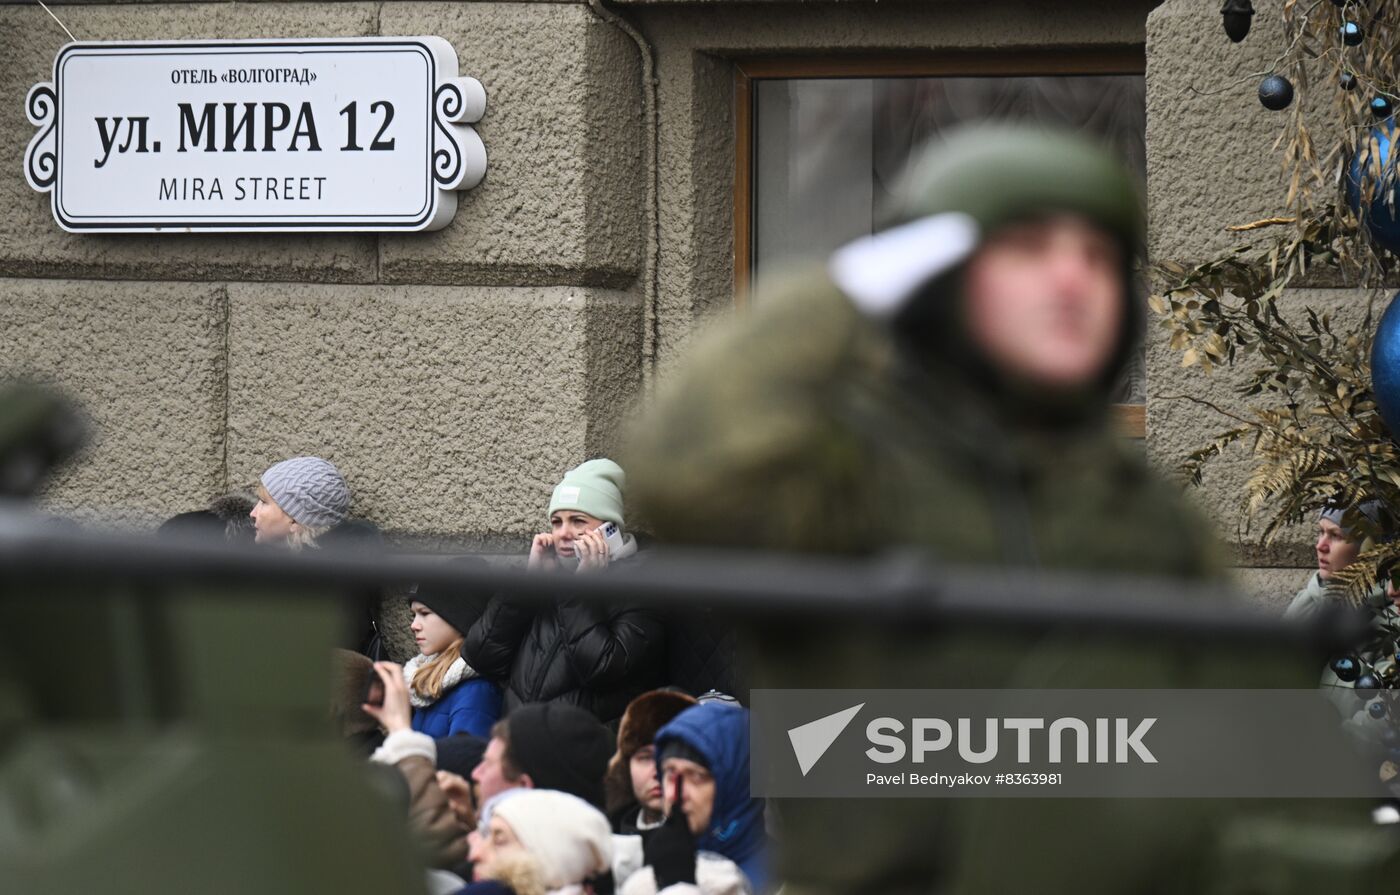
(1348, 81)
(1380, 107)
(1385, 367)
(1237, 15)
(1390, 738)
(1346, 668)
(1276, 93)
(1376, 709)
(1351, 34)
(1366, 687)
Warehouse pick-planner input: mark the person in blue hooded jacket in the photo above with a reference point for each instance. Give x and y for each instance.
(704, 754)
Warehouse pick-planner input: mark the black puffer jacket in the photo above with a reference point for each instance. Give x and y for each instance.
(595, 656)
(702, 654)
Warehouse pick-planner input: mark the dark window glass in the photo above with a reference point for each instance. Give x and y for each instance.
(827, 151)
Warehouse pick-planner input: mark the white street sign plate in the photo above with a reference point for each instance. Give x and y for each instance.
(256, 135)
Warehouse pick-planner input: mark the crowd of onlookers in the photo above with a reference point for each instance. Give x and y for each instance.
(576, 745)
(582, 746)
(585, 746)
(561, 746)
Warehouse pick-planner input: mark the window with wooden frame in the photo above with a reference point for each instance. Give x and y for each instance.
(820, 141)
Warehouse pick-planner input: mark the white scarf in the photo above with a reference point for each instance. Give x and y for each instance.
(460, 671)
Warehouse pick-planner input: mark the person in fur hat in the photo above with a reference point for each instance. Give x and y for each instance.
(633, 788)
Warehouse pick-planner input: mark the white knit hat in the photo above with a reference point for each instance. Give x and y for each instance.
(310, 490)
(569, 837)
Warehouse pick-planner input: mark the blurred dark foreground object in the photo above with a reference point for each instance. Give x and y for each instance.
(174, 738)
(164, 729)
(38, 429)
(170, 735)
(194, 763)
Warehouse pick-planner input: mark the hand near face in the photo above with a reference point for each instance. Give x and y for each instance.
(396, 713)
(458, 791)
(592, 550)
(542, 553)
(670, 849)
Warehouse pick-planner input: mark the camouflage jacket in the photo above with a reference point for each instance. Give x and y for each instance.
(799, 428)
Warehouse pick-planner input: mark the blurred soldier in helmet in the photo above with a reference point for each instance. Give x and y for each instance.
(943, 384)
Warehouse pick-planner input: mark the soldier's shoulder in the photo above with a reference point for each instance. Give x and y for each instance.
(797, 333)
(749, 403)
(795, 319)
(1166, 508)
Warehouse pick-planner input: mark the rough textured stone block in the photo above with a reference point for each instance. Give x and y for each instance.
(1211, 156)
(146, 362)
(561, 203)
(451, 411)
(1270, 587)
(31, 242)
(1177, 425)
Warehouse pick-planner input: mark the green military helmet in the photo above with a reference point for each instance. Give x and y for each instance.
(955, 196)
(999, 174)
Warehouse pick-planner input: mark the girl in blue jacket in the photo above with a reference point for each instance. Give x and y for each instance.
(447, 695)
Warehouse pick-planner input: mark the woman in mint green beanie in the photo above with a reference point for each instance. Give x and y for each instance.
(594, 655)
(589, 497)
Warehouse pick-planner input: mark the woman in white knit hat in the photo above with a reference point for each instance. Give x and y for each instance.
(594, 655)
(542, 841)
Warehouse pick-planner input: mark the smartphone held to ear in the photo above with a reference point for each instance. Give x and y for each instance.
(613, 536)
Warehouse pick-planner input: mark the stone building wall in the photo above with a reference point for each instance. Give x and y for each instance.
(453, 375)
